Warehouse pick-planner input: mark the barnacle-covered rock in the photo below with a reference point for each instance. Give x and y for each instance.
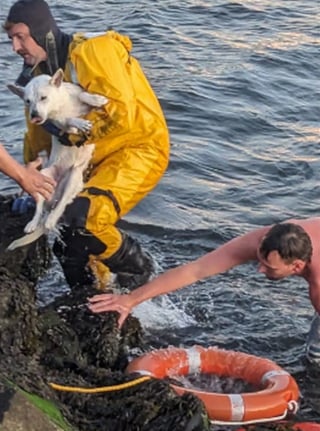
(66, 344)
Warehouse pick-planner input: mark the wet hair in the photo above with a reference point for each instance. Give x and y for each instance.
(289, 240)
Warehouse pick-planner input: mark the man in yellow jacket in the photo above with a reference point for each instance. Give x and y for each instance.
(130, 136)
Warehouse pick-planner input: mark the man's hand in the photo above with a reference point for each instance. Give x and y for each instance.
(33, 182)
(123, 304)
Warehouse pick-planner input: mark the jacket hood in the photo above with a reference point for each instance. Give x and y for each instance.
(44, 30)
(37, 16)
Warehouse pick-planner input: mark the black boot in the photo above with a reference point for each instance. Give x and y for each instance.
(132, 265)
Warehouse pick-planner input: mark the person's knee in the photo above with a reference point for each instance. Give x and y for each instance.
(73, 250)
(77, 242)
(89, 228)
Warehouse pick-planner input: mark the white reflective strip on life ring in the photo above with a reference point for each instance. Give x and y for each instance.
(144, 372)
(194, 360)
(269, 374)
(237, 407)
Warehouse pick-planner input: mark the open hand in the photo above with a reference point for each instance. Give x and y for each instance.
(123, 304)
(33, 182)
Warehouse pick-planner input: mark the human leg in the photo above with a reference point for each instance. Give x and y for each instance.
(91, 243)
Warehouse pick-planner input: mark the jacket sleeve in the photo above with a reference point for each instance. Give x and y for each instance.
(102, 66)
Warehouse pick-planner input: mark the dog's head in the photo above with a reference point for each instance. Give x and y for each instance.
(41, 96)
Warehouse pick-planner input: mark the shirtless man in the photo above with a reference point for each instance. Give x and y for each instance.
(282, 250)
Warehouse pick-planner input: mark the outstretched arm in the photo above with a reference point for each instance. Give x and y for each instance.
(28, 177)
(235, 252)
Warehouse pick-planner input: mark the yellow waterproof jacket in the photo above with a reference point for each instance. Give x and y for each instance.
(133, 116)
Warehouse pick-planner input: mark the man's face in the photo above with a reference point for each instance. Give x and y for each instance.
(274, 267)
(24, 44)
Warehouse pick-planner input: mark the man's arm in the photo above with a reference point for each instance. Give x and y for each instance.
(235, 252)
(28, 177)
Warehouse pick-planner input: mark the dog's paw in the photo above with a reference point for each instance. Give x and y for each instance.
(79, 124)
(51, 222)
(97, 100)
(31, 226)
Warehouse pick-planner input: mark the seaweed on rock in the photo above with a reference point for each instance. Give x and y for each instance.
(65, 343)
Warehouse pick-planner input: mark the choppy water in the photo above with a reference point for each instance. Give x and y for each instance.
(239, 84)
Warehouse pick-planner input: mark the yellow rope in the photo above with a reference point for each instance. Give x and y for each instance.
(102, 389)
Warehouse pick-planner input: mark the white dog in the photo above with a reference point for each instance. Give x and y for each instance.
(49, 98)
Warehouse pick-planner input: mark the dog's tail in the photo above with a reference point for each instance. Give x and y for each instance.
(27, 239)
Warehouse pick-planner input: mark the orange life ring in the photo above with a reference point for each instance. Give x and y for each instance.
(278, 395)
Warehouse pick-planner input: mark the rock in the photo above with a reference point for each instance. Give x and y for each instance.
(19, 414)
(66, 344)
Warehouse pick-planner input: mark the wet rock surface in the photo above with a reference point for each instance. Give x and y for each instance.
(17, 413)
(66, 344)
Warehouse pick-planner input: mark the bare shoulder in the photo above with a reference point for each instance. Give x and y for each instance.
(255, 236)
(244, 247)
(305, 221)
(312, 228)
(310, 225)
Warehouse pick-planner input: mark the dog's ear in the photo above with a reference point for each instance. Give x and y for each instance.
(57, 78)
(15, 89)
